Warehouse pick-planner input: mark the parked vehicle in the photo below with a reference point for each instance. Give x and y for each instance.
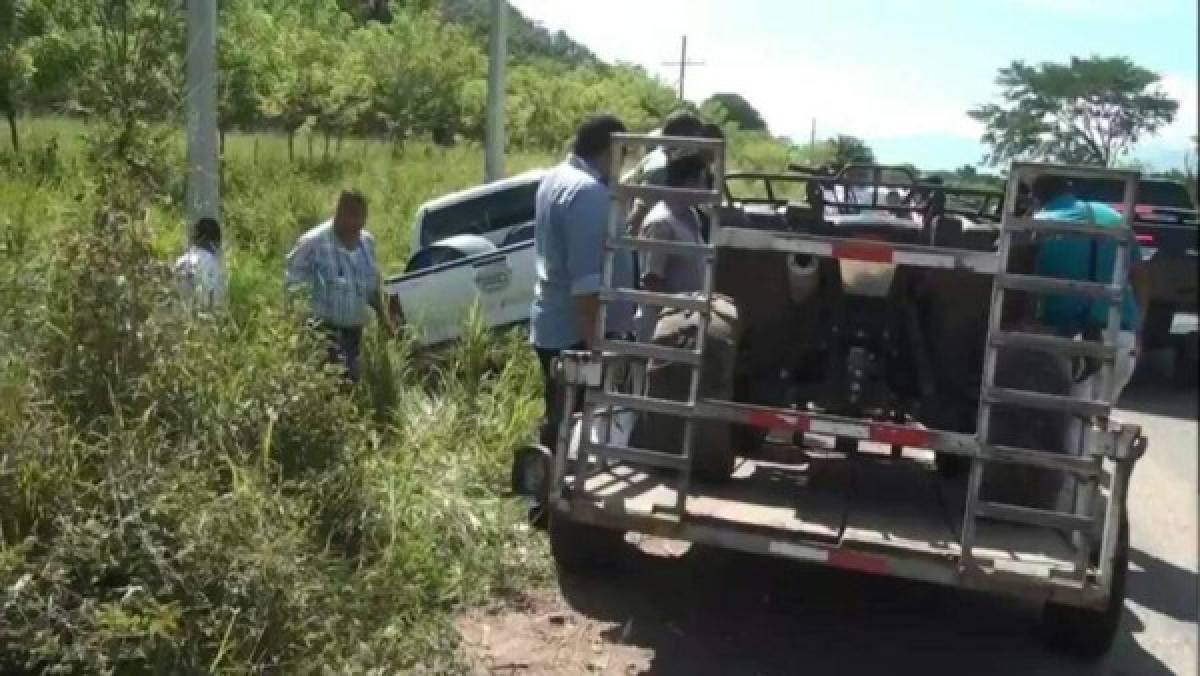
(917, 346)
(471, 248)
(1169, 234)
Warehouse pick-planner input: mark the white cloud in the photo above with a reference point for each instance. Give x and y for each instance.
(1184, 90)
(789, 88)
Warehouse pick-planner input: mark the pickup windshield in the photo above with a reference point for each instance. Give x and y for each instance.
(481, 215)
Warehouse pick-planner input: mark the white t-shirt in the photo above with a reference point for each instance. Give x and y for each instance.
(201, 278)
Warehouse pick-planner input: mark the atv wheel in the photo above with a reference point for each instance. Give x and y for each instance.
(1038, 430)
(714, 442)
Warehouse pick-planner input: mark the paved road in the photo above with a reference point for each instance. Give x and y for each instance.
(725, 613)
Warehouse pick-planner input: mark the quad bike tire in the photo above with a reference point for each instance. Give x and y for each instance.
(581, 548)
(715, 442)
(1088, 633)
(1040, 430)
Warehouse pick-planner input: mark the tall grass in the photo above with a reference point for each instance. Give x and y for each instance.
(182, 496)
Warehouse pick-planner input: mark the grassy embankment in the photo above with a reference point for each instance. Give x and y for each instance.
(176, 497)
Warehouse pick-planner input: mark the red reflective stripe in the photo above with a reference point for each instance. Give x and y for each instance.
(903, 436)
(863, 251)
(1145, 239)
(776, 421)
(862, 563)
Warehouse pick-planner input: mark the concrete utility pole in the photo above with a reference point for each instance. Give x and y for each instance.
(683, 63)
(812, 134)
(497, 54)
(200, 102)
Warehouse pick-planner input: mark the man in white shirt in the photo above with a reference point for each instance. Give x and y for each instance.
(200, 272)
(672, 273)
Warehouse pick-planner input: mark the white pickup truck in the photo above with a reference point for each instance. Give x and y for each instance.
(472, 246)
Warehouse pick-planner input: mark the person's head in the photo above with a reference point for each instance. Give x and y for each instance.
(594, 143)
(688, 171)
(206, 234)
(350, 216)
(682, 123)
(1048, 186)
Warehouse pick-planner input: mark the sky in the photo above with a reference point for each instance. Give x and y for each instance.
(900, 74)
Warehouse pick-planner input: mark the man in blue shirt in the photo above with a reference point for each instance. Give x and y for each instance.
(571, 222)
(1088, 259)
(335, 263)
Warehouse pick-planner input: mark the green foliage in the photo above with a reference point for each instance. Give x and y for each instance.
(185, 496)
(526, 39)
(16, 62)
(412, 70)
(734, 109)
(1088, 111)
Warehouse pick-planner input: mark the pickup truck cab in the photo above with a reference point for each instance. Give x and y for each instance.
(1165, 223)
(470, 247)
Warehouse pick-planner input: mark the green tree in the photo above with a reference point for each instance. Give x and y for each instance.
(16, 63)
(1088, 111)
(729, 107)
(845, 150)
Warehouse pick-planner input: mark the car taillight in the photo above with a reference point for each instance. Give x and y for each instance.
(1145, 239)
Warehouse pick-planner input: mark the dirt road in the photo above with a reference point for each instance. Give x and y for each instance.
(715, 612)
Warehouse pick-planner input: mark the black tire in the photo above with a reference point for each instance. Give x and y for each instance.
(583, 549)
(1084, 632)
(715, 444)
(1040, 430)
(1187, 360)
(1156, 330)
(951, 465)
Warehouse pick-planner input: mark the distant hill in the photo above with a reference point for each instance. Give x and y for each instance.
(526, 38)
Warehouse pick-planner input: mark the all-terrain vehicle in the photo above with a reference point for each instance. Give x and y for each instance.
(860, 383)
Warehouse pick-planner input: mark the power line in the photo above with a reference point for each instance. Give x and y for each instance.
(683, 63)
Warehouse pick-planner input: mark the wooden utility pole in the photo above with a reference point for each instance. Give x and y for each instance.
(683, 63)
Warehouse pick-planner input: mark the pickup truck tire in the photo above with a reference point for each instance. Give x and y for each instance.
(715, 441)
(1156, 331)
(1187, 359)
(1085, 632)
(581, 548)
(1041, 430)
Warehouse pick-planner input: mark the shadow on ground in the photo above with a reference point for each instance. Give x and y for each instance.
(716, 612)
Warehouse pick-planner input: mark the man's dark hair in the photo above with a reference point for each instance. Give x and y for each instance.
(1048, 186)
(686, 169)
(594, 135)
(350, 197)
(207, 232)
(682, 123)
(712, 130)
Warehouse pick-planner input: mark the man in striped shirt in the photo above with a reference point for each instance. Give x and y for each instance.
(335, 262)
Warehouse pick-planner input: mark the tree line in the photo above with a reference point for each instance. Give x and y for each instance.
(309, 66)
